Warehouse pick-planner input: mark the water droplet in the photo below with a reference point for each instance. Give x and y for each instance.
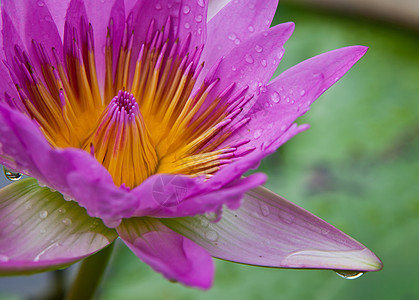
(265, 33)
(263, 63)
(257, 133)
(41, 3)
(303, 92)
(325, 231)
(186, 9)
(237, 41)
(249, 59)
(264, 209)
(232, 36)
(43, 214)
(67, 198)
(287, 99)
(201, 3)
(12, 176)
(286, 217)
(213, 217)
(251, 28)
(258, 48)
(275, 97)
(62, 210)
(42, 230)
(158, 6)
(283, 127)
(348, 274)
(67, 222)
(233, 68)
(211, 235)
(199, 30)
(48, 19)
(187, 25)
(169, 5)
(28, 205)
(204, 222)
(198, 18)
(3, 258)
(267, 22)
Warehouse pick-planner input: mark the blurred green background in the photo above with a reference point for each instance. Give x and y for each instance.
(357, 168)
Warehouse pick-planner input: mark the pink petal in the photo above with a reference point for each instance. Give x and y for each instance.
(166, 195)
(193, 20)
(235, 23)
(33, 21)
(270, 231)
(58, 10)
(41, 231)
(99, 15)
(290, 94)
(167, 252)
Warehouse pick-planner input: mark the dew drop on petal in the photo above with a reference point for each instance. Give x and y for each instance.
(43, 214)
(187, 25)
(198, 18)
(303, 92)
(67, 221)
(186, 9)
(275, 97)
(211, 235)
(169, 5)
(257, 133)
(348, 274)
(258, 48)
(204, 222)
(263, 63)
(286, 217)
(62, 210)
(287, 99)
(201, 3)
(249, 59)
(41, 3)
(264, 209)
(251, 28)
(237, 41)
(158, 6)
(12, 176)
(233, 68)
(232, 36)
(42, 230)
(283, 127)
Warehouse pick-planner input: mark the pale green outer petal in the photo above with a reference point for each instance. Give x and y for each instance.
(268, 230)
(40, 231)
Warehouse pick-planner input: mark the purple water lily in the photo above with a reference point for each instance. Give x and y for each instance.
(144, 116)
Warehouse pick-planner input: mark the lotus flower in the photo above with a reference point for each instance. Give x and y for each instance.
(138, 119)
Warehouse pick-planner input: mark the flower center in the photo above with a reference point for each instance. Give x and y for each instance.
(154, 124)
(122, 142)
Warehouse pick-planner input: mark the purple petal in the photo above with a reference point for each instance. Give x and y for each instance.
(99, 16)
(290, 94)
(268, 230)
(167, 252)
(193, 20)
(41, 231)
(34, 22)
(234, 24)
(58, 10)
(177, 195)
(253, 62)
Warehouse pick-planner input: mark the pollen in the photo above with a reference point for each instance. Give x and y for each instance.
(145, 115)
